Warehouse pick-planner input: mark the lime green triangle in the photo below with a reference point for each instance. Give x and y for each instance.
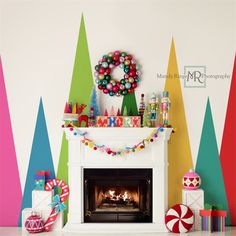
(208, 165)
(179, 151)
(129, 101)
(80, 90)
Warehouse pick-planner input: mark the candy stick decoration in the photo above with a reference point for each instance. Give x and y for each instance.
(58, 205)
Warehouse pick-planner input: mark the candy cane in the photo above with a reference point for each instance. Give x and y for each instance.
(64, 195)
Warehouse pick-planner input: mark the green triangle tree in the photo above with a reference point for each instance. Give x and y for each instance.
(80, 91)
(208, 165)
(129, 101)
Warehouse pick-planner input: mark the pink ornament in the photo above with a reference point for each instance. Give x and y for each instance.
(105, 91)
(122, 87)
(191, 180)
(34, 224)
(109, 86)
(117, 53)
(122, 59)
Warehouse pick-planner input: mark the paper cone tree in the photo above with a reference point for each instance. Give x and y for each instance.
(208, 165)
(40, 157)
(11, 195)
(228, 149)
(179, 152)
(129, 101)
(80, 91)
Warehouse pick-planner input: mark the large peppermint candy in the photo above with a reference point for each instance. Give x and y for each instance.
(179, 219)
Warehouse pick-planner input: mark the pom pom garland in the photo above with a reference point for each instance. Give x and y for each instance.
(119, 151)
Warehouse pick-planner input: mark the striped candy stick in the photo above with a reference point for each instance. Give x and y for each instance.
(64, 195)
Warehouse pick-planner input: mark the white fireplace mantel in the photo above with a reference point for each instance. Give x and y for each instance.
(154, 156)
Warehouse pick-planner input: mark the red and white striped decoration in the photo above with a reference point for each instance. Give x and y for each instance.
(179, 219)
(64, 195)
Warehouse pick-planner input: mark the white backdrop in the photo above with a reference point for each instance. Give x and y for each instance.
(38, 41)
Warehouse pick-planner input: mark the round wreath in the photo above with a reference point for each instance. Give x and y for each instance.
(108, 84)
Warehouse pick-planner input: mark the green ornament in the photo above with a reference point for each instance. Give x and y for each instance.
(138, 67)
(123, 54)
(137, 79)
(104, 82)
(126, 70)
(124, 92)
(97, 67)
(107, 77)
(122, 81)
(109, 60)
(104, 64)
(126, 67)
(104, 56)
(111, 93)
(122, 65)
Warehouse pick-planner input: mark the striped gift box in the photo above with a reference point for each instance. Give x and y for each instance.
(213, 220)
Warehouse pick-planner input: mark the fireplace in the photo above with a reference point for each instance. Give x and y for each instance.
(117, 195)
(122, 194)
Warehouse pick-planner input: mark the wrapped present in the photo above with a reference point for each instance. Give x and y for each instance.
(193, 198)
(40, 178)
(213, 220)
(42, 199)
(44, 214)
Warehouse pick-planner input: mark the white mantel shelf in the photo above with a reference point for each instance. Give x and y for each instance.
(154, 156)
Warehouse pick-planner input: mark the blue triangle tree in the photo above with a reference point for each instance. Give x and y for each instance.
(208, 165)
(40, 157)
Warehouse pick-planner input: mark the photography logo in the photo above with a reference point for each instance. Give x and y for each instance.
(195, 76)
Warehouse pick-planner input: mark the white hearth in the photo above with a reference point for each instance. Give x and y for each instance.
(154, 156)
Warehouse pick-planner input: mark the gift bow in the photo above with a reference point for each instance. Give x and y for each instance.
(59, 206)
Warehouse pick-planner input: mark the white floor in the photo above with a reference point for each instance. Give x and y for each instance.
(5, 231)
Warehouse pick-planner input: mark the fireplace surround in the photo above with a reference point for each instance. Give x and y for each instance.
(117, 194)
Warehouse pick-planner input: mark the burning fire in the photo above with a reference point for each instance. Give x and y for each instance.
(118, 197)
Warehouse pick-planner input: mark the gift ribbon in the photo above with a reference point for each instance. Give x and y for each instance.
(59, 206)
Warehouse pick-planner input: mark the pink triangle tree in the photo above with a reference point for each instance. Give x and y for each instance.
(11, 195)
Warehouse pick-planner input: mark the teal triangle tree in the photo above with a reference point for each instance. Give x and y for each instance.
(40, 157)
(129, 101)
(208, 165)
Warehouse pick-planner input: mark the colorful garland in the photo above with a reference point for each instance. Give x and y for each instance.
(108, 84)
(119, 151)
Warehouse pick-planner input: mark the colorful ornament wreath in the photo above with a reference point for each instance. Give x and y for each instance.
(119, 151)
(108, 84)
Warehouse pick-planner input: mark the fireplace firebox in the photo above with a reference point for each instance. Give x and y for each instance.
(117, 195)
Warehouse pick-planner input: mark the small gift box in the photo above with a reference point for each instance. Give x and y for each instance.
(213, 219)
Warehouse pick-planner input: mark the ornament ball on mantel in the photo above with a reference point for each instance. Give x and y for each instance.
(191, 180)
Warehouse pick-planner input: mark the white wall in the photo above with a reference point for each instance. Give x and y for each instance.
(38, 42)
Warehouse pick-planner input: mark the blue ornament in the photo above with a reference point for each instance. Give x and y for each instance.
(128, 85)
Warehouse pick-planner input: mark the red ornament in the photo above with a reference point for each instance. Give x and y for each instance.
(34, 224)
(132, 73)
(101, 70)
(179, 219)
(95, 148)
(130, 90)
(132, 67)
(134, 85)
